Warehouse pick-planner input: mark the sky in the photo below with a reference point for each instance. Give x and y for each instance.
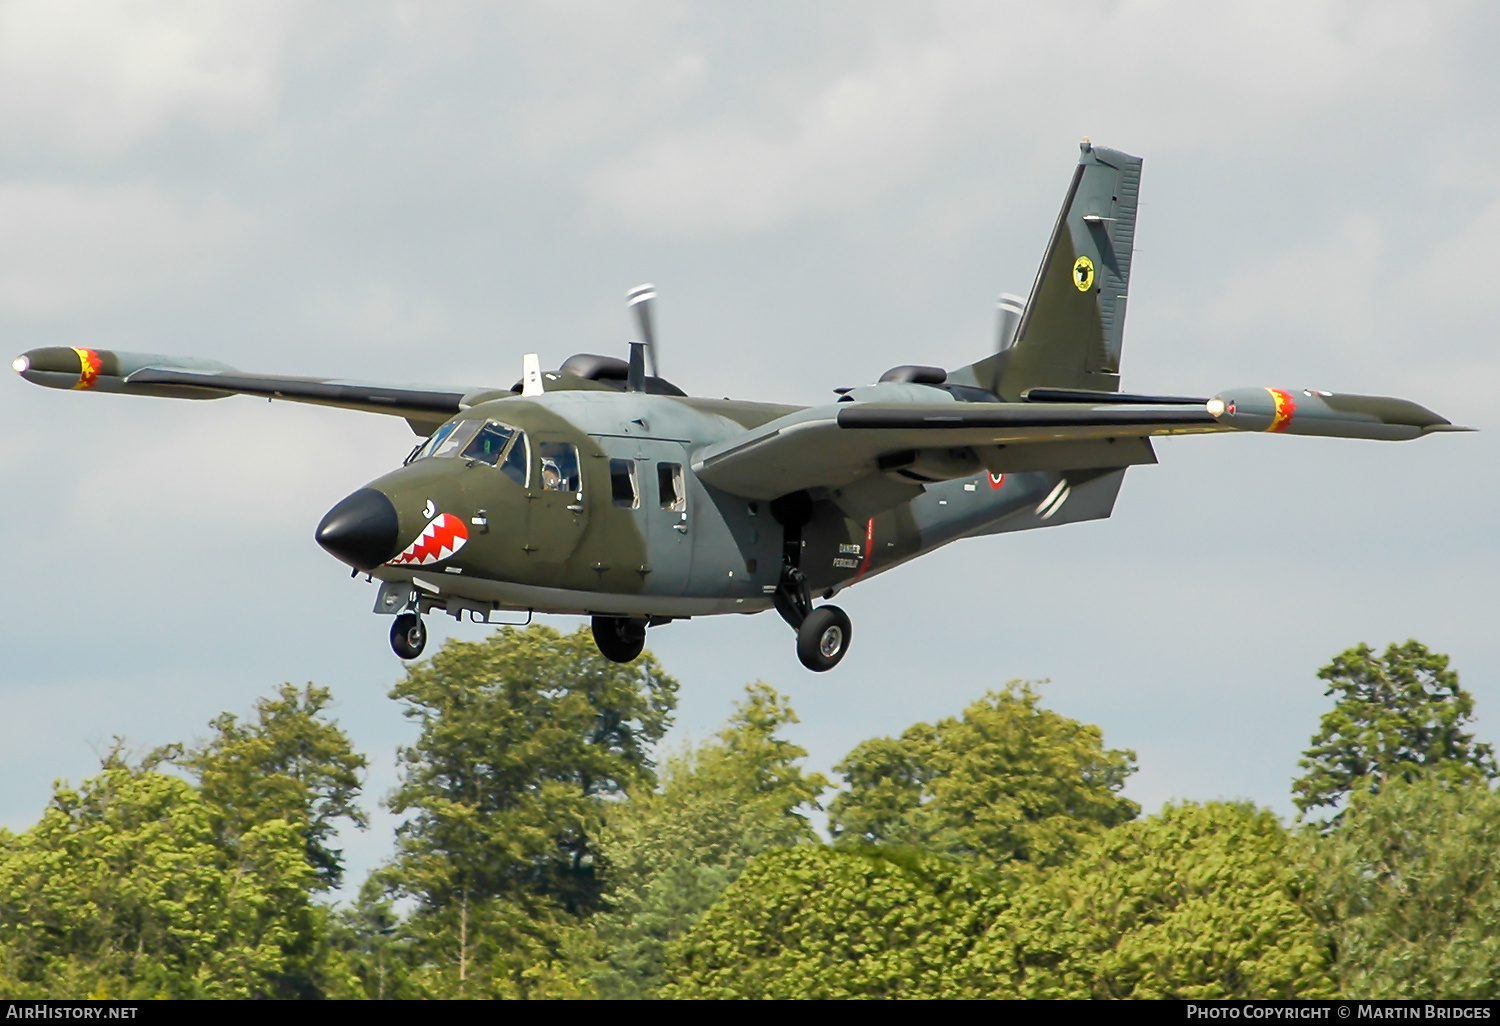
(425, 192)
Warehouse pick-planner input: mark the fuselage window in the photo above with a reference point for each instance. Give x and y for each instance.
(669, 486)
(490, 443)
(559, 466)
(622, 483)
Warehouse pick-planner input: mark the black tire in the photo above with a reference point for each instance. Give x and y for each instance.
(620, 638)
(823, 638)
(408, 636)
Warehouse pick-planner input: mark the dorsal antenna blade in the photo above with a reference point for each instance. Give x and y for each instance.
(641, 299)
(531, 375)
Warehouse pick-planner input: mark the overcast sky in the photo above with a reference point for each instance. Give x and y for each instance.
(424, 192)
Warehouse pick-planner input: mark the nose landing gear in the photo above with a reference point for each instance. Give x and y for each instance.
(408, 636)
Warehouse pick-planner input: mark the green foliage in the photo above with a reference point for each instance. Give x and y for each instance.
(815, 922)
(290, 764)
(1408, 886)
(1006, 781)
(369, 956)
(526, 739)
(673, 851)
(1199, 902)
(125, 889)
(1397, 717)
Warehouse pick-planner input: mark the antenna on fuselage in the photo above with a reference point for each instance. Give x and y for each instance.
(531, 375)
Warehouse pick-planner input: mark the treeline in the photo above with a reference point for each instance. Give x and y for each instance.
(543, 853)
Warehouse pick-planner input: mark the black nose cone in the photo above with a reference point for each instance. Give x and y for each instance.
(361, 530)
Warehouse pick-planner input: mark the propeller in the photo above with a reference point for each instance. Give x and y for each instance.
(1011, 307)
(641, 299)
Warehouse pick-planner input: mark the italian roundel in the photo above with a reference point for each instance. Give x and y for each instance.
(441, 538)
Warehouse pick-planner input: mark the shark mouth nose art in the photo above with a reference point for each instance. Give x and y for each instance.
(439, 540)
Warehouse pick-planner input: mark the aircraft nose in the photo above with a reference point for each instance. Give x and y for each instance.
(361, 530)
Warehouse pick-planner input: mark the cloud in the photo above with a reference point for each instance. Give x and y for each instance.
(926, 91)
(71, 250)
(99, 77)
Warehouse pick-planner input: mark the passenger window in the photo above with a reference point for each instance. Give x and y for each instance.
(669, 486)
(559, 466)
(489, 444)
(622, 483)
(517, 461)
(452, 443)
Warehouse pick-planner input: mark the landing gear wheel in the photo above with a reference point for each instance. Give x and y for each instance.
(620, 638)
(408, 636)
(823, 638)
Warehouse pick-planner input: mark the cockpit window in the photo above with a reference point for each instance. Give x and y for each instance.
(517, 461)
(559, 466)
(449, 439)
(434, 440)
(490, 443)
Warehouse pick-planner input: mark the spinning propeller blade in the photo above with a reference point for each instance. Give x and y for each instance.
(640, 299)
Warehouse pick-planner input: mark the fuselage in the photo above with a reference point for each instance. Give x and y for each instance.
(586, 502)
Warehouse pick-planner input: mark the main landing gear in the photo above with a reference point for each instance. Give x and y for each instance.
(822, 633)
(620, 638)
(408, 636)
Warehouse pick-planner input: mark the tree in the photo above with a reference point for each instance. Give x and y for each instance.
(1201, 902)
(126, 889)
(1006, 781)
(673, 851)
(1408, 888)
(822, 923)
(526, 738)
(289, 764)
(1399, 716)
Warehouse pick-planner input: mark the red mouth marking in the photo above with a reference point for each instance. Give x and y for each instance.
(440, 539)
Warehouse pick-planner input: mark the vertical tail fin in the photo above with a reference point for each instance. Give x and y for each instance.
(1072, 330)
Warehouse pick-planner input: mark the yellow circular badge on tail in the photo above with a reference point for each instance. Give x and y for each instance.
(1083, 273)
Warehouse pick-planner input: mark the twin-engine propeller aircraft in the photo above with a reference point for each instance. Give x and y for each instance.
(601, 489)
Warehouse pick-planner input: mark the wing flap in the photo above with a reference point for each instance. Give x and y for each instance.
(833, 447)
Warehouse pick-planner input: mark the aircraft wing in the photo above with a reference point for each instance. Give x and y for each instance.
(845, 446)
(187, 378)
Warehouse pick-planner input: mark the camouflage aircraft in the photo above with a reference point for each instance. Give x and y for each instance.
(603, 490)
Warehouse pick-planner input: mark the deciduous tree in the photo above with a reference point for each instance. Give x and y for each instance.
(1397, 716)
(526, 738)
(818, 922)
(1006, 780)
(673, 851)
(290, 763)
(1408, 887)
(1198, 902)
(126, 889)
